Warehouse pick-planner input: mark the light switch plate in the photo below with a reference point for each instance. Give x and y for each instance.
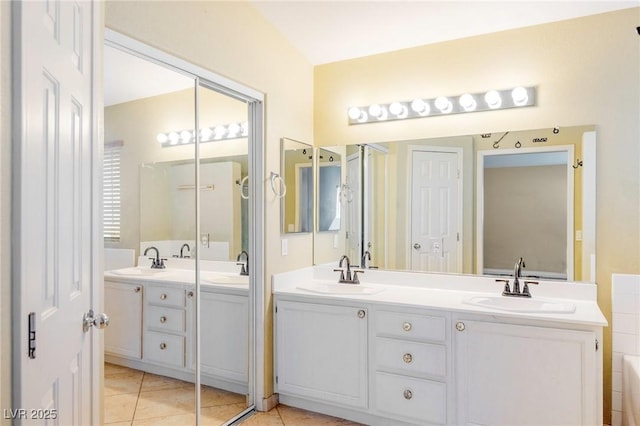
(284, 247)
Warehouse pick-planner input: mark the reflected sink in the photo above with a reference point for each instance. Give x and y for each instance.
(139, 272)
(207, 278)
(521, 304)
(336, 288)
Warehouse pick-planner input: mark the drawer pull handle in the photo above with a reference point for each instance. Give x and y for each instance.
(137, 290)
(407, 326)
(163, 320)
(408, 358)
(361, 313)
(460, 326)
(163, 296)
(163, 346)
(407, 394)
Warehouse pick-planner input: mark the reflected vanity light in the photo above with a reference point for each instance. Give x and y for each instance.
(207, 134)
(444, 105)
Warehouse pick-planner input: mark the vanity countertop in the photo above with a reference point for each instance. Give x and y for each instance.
(186, 277)
(459, 293)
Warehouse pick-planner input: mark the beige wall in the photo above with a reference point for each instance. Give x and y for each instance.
(234, 40)
(586, 71)
(5, 208)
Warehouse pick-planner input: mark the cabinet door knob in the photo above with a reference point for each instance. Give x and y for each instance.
(163, 346)
(163, 319)
(407, 394)
(406, 326)
(460, 326)
(408, 358)
(137, 290)
(190, 294)
(163, 296)
(361, 313)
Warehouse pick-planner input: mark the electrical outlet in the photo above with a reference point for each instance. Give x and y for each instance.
(204, 240)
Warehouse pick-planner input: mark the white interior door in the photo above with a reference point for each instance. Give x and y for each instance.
(434, 212)
(53, 218)
(353, 209)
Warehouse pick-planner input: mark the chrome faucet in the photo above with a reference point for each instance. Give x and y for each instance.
(182, 248)
(345, 274)
(517, 274)
(156, 263)
(244, 270)
(367, 256)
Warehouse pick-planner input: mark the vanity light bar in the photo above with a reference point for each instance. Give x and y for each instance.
(444, 105)
(207, 134)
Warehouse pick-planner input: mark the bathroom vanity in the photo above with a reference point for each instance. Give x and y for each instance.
(415, 348)
(153, 324)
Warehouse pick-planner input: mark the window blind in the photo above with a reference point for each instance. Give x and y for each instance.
(111, 191)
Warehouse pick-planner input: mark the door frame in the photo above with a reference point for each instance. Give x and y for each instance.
(569, 149)
(255, 102)
(460, 210)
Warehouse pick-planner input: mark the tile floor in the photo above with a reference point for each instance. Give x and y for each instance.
(136, 398)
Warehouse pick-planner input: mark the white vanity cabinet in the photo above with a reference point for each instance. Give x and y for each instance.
(165, 325)
(321, 352)
(411, 373)
(123, 303)
(510, 374)
(224, 327)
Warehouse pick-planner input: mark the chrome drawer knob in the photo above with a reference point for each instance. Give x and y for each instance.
(407, 394)
(407, 358)
(163, 346)
(361, 313)
(163, 296)
(460, 326)
(137, 290)
(163, 320)
(406, 326)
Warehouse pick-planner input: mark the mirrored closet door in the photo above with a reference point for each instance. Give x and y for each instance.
(177, 245)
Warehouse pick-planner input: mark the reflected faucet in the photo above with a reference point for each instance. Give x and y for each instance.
(182, 248)
(244, 270)
(366, 256)
(517, 273)
(156, 263)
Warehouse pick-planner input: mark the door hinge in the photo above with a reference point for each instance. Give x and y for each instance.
(597, 345)
(457, 236)
(32, 335)
(276, 379)
(276, 309)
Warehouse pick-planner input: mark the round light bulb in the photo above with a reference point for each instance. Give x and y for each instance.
(399, 110)
(443, 104)
(420, 106)
(174, 137)
(185, 136)
(162, 137)
(219, 131)
(520, 96)
(363, 117)
(205, 134)
(375, 110)
(493, 99)
(467, 102)
(234, 128)
(245, 128)
(354, 113)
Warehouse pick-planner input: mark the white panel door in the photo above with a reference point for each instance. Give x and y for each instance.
(434, 212)
(53, 222)
(353, 210)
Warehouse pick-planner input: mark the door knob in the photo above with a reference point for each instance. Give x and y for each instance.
(417, 246)
(90, 320)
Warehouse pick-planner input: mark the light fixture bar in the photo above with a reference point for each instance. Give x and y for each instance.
(207, 134)
(444, 105)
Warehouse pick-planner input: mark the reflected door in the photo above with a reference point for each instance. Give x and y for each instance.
(353, 208)
(434, 211)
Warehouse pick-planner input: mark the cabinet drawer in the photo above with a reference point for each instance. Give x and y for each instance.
(420, 401)
(411, 358)
(410, 326)
(165, 319)
(165, 296)
(164, 348)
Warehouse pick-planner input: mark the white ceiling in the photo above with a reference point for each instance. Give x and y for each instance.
(327, 31)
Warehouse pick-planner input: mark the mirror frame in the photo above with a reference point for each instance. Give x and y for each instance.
(289, 192)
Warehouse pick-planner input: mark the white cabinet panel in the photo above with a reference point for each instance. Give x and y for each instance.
(123, 302)
(322, 352)
(164, 348)
(524, 375)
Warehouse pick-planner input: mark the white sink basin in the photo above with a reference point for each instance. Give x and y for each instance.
(337, 288)
(140, 272)
(521, 304)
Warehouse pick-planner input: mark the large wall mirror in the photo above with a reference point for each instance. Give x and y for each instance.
(453, 204)
(180, 191)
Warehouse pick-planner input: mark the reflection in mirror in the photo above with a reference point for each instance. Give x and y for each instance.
(329, 190)
(450, 165)
(297, 172)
